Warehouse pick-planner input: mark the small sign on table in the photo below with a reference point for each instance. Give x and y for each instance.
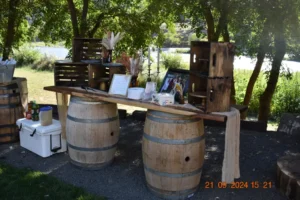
(119, 84)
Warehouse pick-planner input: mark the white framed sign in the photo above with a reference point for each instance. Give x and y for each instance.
(119, 84)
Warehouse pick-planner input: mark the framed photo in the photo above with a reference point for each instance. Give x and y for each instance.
(119, 84)
(175, 82)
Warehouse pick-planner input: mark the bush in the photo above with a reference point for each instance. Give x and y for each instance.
(26, 56)
(187, 51)
(285, 99)
(173, 61)
(46, 63)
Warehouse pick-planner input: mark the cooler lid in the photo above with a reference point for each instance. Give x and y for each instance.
(32, 125)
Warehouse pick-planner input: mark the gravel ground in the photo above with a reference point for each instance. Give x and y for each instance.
(125, 178)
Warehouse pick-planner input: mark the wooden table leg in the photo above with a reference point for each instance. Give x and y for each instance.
(62, 106)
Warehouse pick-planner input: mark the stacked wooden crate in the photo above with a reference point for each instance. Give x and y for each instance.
(76, 73)
(211, 72)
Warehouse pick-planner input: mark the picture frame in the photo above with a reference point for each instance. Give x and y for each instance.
(119, 84)
(172, 81)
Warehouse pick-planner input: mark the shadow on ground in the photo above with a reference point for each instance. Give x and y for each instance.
(125, 179)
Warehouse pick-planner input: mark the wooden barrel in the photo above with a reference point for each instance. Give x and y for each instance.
(92, 132)
(10, 111)
(173, 154)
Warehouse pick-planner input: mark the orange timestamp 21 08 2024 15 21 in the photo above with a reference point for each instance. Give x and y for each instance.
(239, 185)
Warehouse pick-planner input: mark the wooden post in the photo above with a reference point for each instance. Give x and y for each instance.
(62, 106)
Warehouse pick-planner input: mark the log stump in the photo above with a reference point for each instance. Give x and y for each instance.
(298, 190)
(288, 176)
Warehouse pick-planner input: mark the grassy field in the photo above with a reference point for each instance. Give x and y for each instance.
(25, 184)
(36, 81)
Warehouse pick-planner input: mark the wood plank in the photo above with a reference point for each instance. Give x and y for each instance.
(104, 96)
(71, 63)
(62, 105)
(71, 83)
(58, 73)
(222, 56)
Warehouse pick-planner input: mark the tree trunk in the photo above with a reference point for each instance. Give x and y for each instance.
(261, 54)
(74, 20)
(83, 23)
(209, 20)
(266, 97)
(260, 59)
(10, 34)
(222, 24)
(226, 38)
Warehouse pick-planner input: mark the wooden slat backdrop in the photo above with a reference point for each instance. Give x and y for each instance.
(87, 49)
(70, 74)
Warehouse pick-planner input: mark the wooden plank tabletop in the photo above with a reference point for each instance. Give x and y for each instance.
(185, 109)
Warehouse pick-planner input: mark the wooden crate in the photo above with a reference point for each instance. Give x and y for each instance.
(211, 72)
(87, 49)
(73, 74)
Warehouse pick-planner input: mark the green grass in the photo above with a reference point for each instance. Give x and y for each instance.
(36, 81)
(25, 184)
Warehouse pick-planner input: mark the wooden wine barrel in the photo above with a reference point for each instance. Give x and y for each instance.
(173, 154)
(10, 111)
(92, 130)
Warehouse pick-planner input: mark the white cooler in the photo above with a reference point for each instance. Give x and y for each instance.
(42, 140)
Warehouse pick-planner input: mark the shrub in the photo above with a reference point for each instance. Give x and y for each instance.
(26, 56)
(173, 61)
(285, 99)
(183, 51)
(46, 63)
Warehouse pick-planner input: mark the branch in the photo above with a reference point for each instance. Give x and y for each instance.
(92, 32)
(73, 18)
(99, 20)
(83, 26)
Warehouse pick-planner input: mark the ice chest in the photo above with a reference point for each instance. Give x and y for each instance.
(42, 140)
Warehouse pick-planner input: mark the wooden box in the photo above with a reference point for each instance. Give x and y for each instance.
(211, 72)
(87, 49)
(100, 76)
(72, 74)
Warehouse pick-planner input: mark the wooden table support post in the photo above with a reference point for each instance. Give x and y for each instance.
(62, 106)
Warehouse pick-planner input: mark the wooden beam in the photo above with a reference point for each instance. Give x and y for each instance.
(104, 96)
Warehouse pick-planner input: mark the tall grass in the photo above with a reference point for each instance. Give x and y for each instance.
(285, 99)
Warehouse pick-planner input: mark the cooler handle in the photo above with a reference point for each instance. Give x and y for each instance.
(55, 149)
(20, 128)
(33, 133)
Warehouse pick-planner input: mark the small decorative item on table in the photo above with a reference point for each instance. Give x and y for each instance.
(133, 66)
(163, 99)
(176, 82)
(109, 43)
(46, 116)
(136, 93)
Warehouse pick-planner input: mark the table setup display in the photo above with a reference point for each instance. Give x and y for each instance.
(173, 143)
